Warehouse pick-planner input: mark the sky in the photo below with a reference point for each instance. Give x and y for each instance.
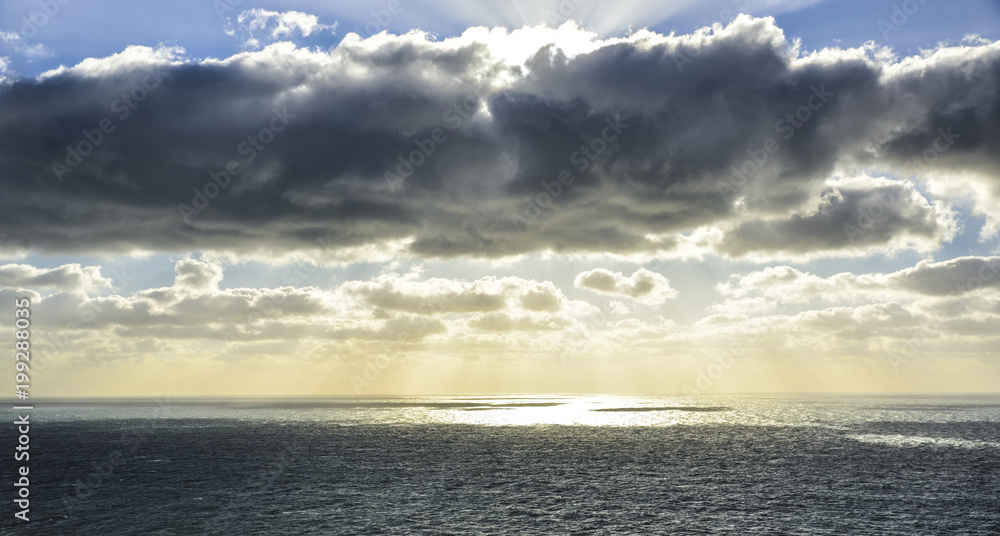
(432, 197)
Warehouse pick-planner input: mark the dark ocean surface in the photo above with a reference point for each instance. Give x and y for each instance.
(810, 465)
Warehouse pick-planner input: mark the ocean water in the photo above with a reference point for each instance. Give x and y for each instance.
(810, 465)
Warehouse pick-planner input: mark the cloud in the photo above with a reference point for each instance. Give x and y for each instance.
(852, 218)
(657, 328)
(508, 322)
(197, 276)
(643, 285)
(619, 308)
(442, 296)
(258, 26)
(71, 278)
(954, 276)
(957, 276)
(194, 307)
(17, 44)
(194, 318)
(744, 307)
(130, 66)
(651, 130)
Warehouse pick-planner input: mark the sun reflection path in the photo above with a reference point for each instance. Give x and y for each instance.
(591, 410)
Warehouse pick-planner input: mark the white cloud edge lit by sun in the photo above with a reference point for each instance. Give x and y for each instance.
(259, 26)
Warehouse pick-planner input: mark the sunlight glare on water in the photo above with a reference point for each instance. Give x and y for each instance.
(832, 411)
(581, 410)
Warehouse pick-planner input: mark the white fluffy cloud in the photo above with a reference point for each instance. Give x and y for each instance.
(891, 320)
(21, 46)
(441, 296)
(260, 26)
(71, 278)
(927, 278)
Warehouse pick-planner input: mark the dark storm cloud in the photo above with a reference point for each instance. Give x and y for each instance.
(649, 143)
(860, 214)
(955, 276)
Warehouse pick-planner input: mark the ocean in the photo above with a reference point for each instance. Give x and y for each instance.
(525, 465)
